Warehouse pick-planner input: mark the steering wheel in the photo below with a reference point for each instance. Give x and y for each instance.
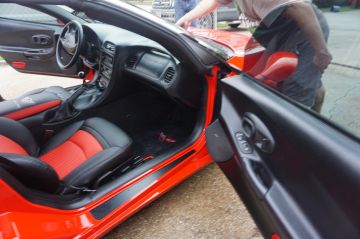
(69, 44)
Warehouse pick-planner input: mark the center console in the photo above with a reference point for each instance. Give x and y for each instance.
(106, 66)
(101, 81)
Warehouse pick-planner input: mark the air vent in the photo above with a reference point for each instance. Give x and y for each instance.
(110, 47)
(169, 75)
(132, 61)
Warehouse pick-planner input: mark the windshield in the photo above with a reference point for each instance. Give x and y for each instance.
(79, 14)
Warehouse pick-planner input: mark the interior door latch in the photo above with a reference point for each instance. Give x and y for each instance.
(42, 40)
(257, 133)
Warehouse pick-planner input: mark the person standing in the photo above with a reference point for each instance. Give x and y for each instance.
(308, 38)
(182, 7)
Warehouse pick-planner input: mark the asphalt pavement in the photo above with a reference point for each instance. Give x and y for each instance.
(205, 205)
(342, 79)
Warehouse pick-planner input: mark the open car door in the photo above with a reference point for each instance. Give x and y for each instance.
(298, 175)
(28, 38)
(297, 172)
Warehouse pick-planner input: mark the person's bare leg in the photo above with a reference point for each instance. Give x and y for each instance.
(319, 99)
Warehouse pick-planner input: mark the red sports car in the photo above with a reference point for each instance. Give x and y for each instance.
(156, 105)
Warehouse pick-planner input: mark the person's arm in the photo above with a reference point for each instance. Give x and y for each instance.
(203, 8)
(306, 19)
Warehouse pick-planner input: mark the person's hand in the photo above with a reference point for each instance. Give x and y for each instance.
(183, 22)
(322, 59)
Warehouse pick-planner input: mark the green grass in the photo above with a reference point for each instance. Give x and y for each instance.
(222, 25)
(1, 58)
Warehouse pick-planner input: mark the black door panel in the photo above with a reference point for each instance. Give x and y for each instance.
(33, 46)
(299, 176)
(20, 33)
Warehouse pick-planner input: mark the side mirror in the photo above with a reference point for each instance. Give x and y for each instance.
(279, 67)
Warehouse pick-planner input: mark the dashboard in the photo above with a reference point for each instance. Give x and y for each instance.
(152, 66)
(123, 56)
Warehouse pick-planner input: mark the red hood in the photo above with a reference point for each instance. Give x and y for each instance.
(240, 43)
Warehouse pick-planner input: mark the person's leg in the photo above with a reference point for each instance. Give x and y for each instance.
(179, 9)
(320, 94)
(303, 84)
(319, 99)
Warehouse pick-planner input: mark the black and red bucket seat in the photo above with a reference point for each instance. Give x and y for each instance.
(75, 157)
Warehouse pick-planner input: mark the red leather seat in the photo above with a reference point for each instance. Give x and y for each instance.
(74, 157)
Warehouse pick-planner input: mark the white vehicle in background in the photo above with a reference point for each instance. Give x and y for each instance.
(226, 12)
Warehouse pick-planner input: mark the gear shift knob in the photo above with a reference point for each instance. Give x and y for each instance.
(81, 75)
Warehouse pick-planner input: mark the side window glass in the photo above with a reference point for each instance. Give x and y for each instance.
(312, 56)
(21, 13)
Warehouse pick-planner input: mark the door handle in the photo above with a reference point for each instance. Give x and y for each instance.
(42, 40)
(258, 176)
(38, 54)
(257, 132)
